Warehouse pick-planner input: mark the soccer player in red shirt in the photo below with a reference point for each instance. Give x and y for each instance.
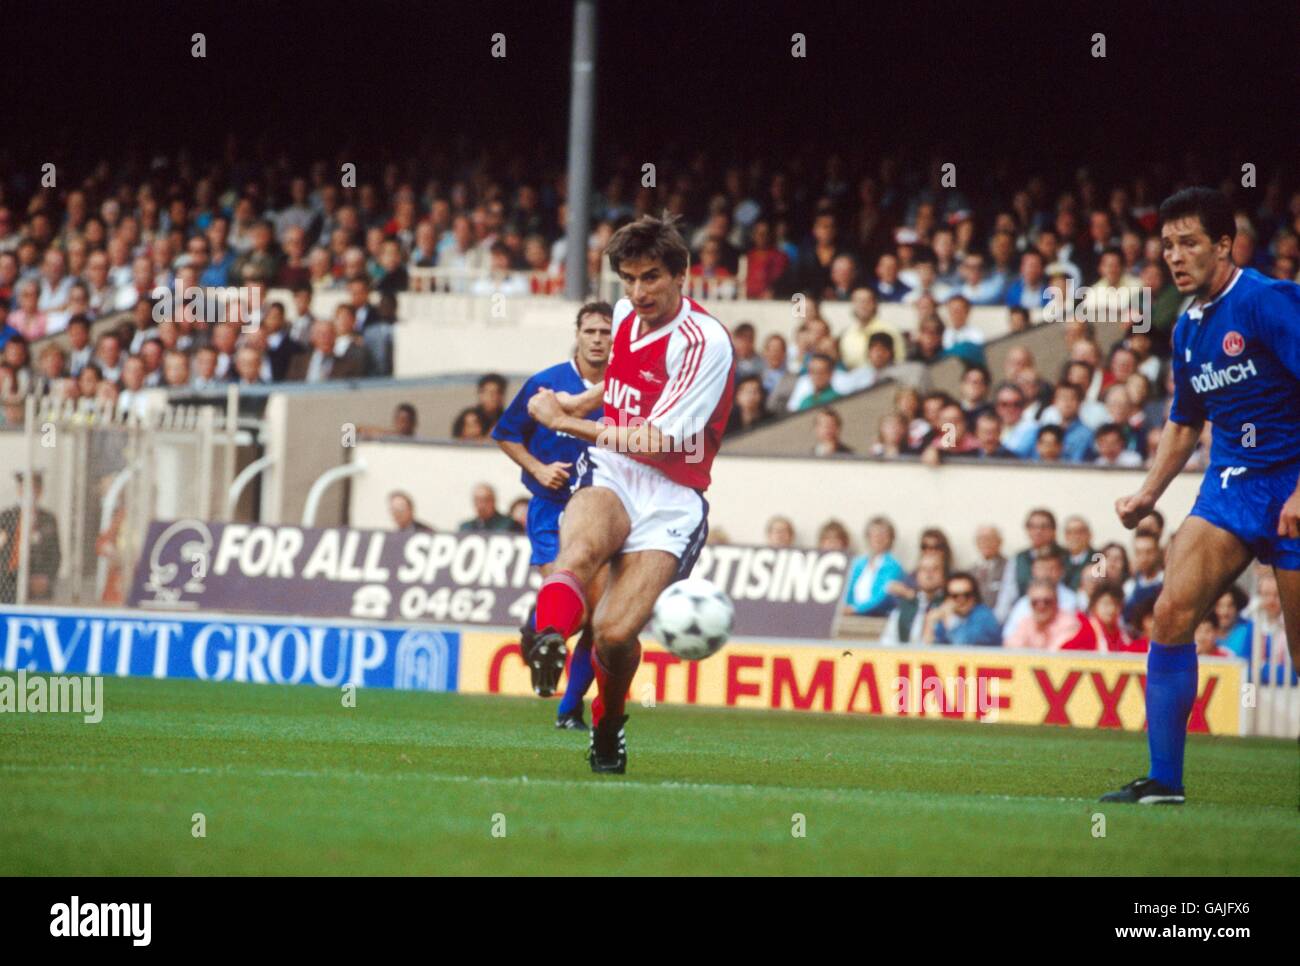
(639, 492)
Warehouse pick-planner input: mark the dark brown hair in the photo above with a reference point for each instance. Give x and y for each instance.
(650, 237)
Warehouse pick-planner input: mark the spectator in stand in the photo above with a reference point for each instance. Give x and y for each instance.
(891, 437)
(974, 394)
(866, 322)
(468, 426)
(519, 511)
(872, 572)
(749, 409)
(1148, 574)
(843, 278)
(815, 389)
(1040, 528)
(906, 624)
(1206, 638)
(833, 536)
(1233, 630)
(1101, 628)
(280, 347)
(486, 517)
(1050, 445)
(827, 426)
(1047, 626)
(962, 618)
(780, 533)
(176, 370)
(395, 277)
(1110, 442)
(988, 439)
(710, 269)
(924, 280)
(888, 286)
(943, 256)
(1265, 612)
(990, 570)
(28, 318)
(778, 380)
(810, 272)
(1028, 290)
(1116, 564)
(79, 339)
(44, 554)
(402, 509)
(317, 365)
(1050, 568)
(929, 342)
(1019, 432)
(491, 390)
(977, 287)
(748, 361)
(1114, 293)
(1076, 438)
(1079, 552)
(248, 367)
(960, 330)
(765, 263)
(952, 438)
(1119, 410)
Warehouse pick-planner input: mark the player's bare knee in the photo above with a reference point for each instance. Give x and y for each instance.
(612, 631)
(1174, 620)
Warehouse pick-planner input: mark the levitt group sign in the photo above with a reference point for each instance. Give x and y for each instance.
(461, 578)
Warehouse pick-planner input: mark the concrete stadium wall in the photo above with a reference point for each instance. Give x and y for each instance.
(304, 432)
(747, 491)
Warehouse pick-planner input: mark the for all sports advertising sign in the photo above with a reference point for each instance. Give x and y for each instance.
(459, 578)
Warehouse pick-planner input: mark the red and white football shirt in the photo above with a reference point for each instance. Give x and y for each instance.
(680, 377)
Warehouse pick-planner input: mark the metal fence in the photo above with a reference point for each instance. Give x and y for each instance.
(486, 283)
(1271, 702)
(101, 475)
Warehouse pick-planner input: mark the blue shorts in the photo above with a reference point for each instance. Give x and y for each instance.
(544, 530)
(1247, 503)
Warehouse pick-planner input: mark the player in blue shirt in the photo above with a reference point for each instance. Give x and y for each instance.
(1236, 362)
(547, 459)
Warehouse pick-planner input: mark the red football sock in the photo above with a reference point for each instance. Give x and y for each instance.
(613, 679)
(560, 603)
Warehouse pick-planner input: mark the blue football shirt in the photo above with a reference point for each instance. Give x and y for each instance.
(515, 425)
(1236, 362)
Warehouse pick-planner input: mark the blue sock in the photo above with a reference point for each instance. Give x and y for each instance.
(580, 677)
(1171, 690)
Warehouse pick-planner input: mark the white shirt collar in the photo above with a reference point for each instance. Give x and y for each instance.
(1196, 312)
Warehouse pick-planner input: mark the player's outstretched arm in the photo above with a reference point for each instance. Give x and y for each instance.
(1177, 443)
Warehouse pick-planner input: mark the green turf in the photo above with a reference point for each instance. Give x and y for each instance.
(290, 781)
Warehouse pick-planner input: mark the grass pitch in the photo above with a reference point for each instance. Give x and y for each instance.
(289, 781)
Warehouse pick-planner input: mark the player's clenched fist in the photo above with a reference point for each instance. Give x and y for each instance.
(545, 407)
(553, 475)
(1132, 509)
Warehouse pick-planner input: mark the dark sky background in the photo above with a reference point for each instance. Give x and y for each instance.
(973, 82)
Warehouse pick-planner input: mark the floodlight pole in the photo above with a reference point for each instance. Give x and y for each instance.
(582, 111)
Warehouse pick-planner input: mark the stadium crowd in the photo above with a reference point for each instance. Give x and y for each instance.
(110, 238)
(1059, 592)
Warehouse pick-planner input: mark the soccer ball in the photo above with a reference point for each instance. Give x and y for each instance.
(693, 618)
